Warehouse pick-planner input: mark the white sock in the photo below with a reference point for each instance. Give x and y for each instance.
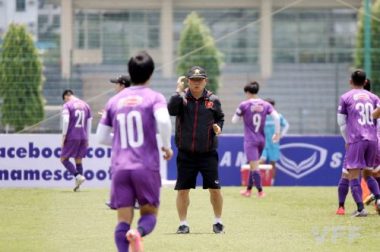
(218, 220)
(184, 222)
(78, 176)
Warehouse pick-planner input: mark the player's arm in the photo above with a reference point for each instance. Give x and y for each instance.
(276, 120)
(176, 101)
(104, 133)
(376, 113)
(65, 123)
(164, 127)
(284, 126)
(342, 118)
(237, 116)
(89, 124)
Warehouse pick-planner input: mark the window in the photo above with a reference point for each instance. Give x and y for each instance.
(20, 5)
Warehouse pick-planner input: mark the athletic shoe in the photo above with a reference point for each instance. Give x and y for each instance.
(261, 194)
(377, 206)
(135, 241)
(246, 193)
(218, 228)
(340, 211)
(362, 213)
(368, 200)
(78, 181)
(183, 229)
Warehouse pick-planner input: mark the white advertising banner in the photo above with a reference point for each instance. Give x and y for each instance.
(33, 160)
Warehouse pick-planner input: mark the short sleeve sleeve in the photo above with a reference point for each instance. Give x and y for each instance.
(342, 106)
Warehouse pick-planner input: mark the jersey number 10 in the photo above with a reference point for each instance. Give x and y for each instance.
(126, 126)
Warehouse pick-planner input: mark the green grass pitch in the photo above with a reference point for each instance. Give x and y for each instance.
(288, 219)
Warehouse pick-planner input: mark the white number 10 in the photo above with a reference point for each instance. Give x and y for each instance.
(127, 129)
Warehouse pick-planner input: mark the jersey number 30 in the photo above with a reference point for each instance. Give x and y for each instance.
(126, 126)
(365, 112)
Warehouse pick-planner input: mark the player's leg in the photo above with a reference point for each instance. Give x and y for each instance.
(343, 188)
(123, 199)
(356, 192)
(187, 171)
(253, 153)
(355, 161)
(124, 217)
(273, 157)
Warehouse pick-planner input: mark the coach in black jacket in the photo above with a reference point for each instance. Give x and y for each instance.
(199, 119)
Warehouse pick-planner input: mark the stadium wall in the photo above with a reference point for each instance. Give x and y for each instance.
(32, 160)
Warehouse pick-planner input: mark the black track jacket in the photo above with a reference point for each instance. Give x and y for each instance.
(194, 120)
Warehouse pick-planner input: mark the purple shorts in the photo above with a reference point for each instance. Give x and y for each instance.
(130, 185)
(361, 155)
(253, 150)
(74, 149)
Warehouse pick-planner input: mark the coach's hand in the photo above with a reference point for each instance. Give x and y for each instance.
(181, 84)
(168, 153)
(217, 129)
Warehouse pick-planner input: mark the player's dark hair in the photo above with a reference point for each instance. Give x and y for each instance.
(367, 85)
(252, 87)
(67, 92)
(358, 77)
(271, 101)
(140, 67)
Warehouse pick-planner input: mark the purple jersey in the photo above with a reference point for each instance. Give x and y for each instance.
(254, 113)
(131, 115)
(358, 105)
(79, 112)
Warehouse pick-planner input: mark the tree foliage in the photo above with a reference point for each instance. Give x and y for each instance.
(375, 42)
(197, 48)
(21, 79)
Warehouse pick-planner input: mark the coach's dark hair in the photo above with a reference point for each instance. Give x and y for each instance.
(367, 85)
(140, 67)
(67, 92)
(271, 101)
(252, 87)
(358, 77)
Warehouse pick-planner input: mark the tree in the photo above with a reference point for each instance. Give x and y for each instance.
(21, 79)
(197, 48)
(359, 48)
(375, 43)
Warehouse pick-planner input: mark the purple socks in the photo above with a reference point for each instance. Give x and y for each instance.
(70, 167)
(79, 168)
(373, 186)
(257, 178)
(342, 191)
(120, 239)
(146, 224)
(356, 193)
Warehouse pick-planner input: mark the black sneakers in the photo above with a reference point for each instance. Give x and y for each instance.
(183, 229)
(218, 228)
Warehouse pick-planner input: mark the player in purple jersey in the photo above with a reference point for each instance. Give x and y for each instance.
(76, 129)
(359, 132)
(254, 111)
(134, 116)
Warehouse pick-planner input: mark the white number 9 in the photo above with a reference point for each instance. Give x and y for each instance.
(256, 120)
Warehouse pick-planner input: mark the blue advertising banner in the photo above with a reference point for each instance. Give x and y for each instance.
(304, 161)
